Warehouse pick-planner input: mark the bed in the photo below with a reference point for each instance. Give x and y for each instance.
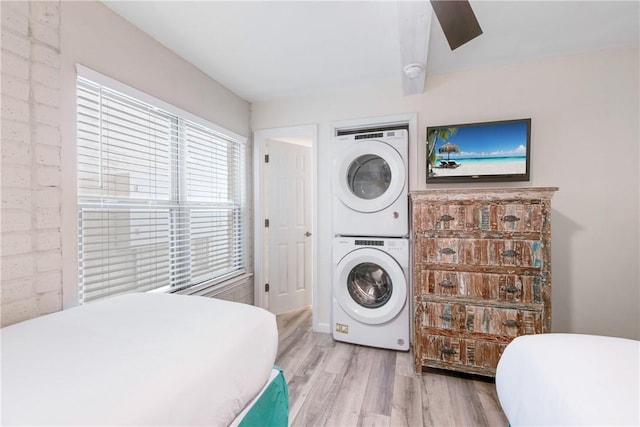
(570, 379)
(144, 359)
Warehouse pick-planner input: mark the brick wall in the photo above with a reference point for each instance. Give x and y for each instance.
(31, 259)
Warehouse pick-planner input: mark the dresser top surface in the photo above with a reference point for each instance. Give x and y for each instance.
(488, 194)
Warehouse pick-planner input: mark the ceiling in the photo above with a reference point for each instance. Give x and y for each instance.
(266, 50)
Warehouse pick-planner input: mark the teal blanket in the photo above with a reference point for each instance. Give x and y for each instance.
(272, 408)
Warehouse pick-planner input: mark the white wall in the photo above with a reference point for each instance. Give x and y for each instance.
(94, 36)
(585, 137)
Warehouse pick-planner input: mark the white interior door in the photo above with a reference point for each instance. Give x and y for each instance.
(288, 202)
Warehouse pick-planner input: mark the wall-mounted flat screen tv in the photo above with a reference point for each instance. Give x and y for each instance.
(479, 152)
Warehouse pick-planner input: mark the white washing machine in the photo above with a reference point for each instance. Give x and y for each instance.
(370, 291)
(371, 184)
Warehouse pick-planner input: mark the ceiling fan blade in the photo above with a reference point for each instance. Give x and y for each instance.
(457, 20)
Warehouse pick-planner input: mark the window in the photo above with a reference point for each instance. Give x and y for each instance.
(160, 197)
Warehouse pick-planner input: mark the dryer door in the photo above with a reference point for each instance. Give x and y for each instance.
(370, 176)
(370, 286)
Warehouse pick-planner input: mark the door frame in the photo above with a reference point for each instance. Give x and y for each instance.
(259, 139)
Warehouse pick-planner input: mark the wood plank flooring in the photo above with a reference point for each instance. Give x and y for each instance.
(339, 384)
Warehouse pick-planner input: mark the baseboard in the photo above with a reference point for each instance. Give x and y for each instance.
(322, 327)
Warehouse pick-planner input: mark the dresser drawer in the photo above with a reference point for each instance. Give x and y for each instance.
(498, 287)
(488, 320)
(506, 216)
(486, 252)
(463, 354)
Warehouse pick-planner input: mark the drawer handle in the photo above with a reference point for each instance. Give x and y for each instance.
(446, 283)
(510, 253)
(446, 317)
(447, 350)
(447, 251)
(510, 218)
(511, 323)
(510, 289)
(446, 218)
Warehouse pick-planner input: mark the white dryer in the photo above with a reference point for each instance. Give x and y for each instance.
(370, 291)
(371, 184)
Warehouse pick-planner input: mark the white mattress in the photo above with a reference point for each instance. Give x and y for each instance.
(570, 379)
(138, 359)
(238, 419)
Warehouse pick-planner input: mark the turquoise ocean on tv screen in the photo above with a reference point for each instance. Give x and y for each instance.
(487, 159)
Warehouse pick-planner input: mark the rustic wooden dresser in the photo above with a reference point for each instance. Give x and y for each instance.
(481, 274)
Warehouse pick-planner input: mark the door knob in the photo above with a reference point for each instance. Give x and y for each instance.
(307, 234)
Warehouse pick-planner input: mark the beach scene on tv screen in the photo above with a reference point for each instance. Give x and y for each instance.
(476, 150)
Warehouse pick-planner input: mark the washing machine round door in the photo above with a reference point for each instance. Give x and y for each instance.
(370, 286)
(370, 176)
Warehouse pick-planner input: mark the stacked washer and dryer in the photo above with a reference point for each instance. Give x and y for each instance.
(371, 246)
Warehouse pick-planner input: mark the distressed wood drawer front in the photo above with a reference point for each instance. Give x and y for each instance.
(486, 286)
(512, 217)
(523, 217)
(445, 352)
(429, 217)
(496, 321)
(489, 252)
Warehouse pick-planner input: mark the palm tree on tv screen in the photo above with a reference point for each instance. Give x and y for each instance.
(433, 136)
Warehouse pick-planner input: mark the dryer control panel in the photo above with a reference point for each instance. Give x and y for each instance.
(369, 242)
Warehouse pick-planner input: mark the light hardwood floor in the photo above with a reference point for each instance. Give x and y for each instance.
(338, 384)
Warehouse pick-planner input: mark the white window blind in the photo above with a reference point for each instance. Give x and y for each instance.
(160, 198)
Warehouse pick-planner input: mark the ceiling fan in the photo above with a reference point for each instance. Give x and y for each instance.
(458, 22)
